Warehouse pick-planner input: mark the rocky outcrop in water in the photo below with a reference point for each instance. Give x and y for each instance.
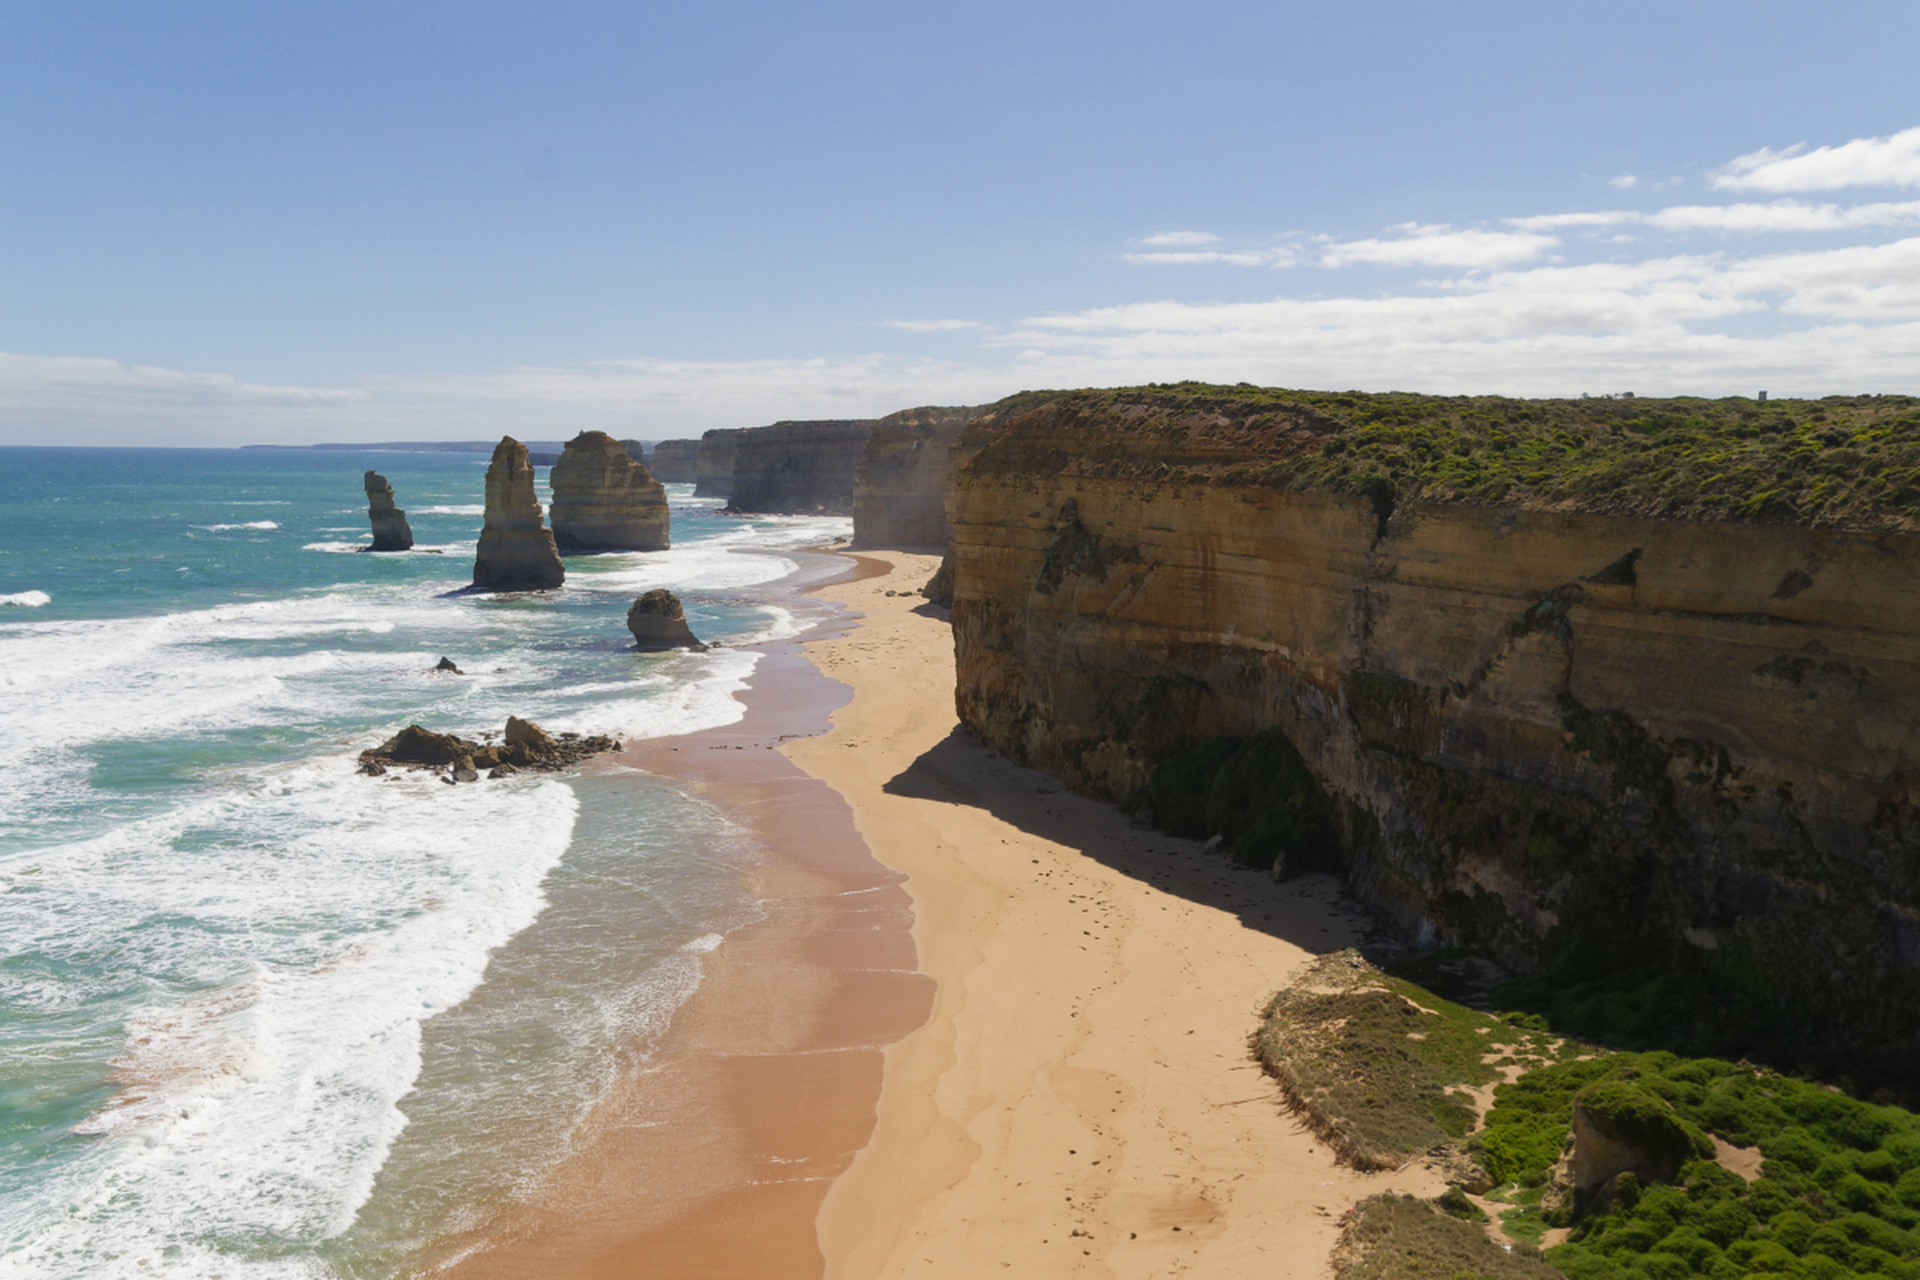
(1564, 735)
(390, 531)
(526, 746)
(798, 467)
(658, 622)
(605, 501)
(517, 551)
(900, 484)
(675, 461)
(713, 468)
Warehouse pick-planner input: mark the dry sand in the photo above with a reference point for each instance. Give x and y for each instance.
(1081, 1100)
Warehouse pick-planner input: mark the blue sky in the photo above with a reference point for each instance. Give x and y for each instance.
(226, 223)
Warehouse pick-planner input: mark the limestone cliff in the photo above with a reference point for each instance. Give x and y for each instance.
(605, 501)
(798, 466)
(1551, 726)
(900, 486)
(713, 466)
(676, 461)
(517, 551)
(390, 530)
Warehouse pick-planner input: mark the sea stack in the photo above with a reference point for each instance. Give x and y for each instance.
(675, 461)
(390, 531)
(517, 552)
(603, 500)
(658, 622)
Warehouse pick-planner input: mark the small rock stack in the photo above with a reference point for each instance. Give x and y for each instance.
(517, 551)
(658, 622)
(390, 531)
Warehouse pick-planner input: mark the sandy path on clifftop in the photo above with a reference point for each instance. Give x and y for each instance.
(1081, 1101)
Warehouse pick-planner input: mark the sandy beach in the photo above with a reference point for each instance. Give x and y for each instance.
(1081, 1100)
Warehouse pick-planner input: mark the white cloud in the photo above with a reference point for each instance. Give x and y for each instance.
(1784, 215)
(1179, 239)
(1863, 162)
(1624, 182)
(934, 326)
(1552, 221)
(1441, 246)
(1238, 258)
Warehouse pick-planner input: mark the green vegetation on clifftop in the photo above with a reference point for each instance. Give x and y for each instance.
(1843, 461)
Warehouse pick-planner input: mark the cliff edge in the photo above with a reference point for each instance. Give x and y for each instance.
(1589, 684)
(794, 467)
(900, 484)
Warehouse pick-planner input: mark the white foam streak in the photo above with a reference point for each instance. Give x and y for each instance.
(26, 599)
(251, 524)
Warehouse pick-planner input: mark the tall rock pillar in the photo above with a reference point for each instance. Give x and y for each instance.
(390, 531)
(517, 552)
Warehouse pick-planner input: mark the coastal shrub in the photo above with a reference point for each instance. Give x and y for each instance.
(1829, 1194)
(1391, 1237)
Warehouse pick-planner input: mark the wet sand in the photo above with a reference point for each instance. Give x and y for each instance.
(711, 1158)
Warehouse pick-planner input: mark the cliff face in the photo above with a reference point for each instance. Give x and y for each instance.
(516, 551)
(798, 466)
(900, 486)
(605, 501)
(1542, 729)
(713, 467)
(390, 529)
(675, 461)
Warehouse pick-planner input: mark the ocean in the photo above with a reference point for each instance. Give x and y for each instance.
(261, 1016)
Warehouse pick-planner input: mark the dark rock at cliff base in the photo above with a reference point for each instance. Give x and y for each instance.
(939, 588)
(446, 664)
(526, 746)
(658, 622)
(517, 551)
(603, 500)
(390, 531)
(675, 461)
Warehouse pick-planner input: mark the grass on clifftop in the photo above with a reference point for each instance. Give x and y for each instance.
(1843, 461)
(1394, 1237)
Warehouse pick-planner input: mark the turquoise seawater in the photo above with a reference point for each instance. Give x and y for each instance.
(259, 1015)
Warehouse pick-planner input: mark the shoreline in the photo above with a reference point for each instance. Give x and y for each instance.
(1082, 1100)
(711, 1157)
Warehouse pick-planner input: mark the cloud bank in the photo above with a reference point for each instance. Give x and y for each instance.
(1788, 294)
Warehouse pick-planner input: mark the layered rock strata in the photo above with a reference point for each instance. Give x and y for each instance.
(1542, 729)
(605, 501)
(516, 551)
(675, 461)
(390, 530)
(795, 467)
(900, 484)
(658, 622)
(713, 466)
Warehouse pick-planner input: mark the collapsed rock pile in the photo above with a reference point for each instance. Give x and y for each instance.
(526, 746)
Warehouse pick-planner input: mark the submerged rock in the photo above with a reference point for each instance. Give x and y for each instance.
(390, 531)
(517, 551)
(603, 500)
(658, 622)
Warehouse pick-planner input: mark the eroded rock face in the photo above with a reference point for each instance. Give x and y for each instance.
(605, 501)
(658, 622)
(517, 551)
(713, 468)
(390, 531)
(794, 467)
(1539, 727)
(675, 461)
(900, 484)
